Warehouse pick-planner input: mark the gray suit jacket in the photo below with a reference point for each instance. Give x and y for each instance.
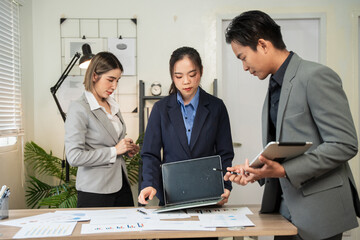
(319, 189)
(89, 136)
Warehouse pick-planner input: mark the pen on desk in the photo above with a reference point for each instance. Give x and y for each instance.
(141, 211)
(225, 171)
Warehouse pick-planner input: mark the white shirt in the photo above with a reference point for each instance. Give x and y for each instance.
(114, 119)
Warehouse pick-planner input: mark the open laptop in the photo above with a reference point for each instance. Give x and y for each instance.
(192, 183)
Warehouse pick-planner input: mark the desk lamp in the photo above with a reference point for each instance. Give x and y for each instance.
(83, 63)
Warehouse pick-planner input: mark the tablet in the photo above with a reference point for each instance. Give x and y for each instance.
(279, 151)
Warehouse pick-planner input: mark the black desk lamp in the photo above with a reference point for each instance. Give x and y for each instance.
(84, 63)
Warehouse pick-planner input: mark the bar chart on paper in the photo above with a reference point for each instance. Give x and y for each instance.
(104, 228)
(46, 230)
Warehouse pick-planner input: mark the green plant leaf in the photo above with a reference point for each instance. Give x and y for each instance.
(70, 201)
(63, 198)
(63, 195)
(37, 190)
(40, 193)
(44, 163)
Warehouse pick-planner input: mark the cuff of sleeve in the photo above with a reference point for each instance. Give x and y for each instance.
(113, 155)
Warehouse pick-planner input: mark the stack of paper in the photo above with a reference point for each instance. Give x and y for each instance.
(62, 223)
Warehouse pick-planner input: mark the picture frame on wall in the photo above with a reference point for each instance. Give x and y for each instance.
(125, 50)
(73, 45)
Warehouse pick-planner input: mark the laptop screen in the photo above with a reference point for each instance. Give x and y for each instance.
(192, 180)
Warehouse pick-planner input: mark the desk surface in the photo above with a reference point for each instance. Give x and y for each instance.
(265, 225)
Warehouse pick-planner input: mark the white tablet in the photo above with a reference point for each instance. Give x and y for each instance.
(280, 151)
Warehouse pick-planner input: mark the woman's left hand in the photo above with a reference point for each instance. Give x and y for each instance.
(225, 197)
(135, 150)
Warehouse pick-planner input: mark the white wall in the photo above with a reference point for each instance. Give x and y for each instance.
(163, 25)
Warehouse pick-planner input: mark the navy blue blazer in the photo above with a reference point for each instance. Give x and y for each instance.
(211, 135)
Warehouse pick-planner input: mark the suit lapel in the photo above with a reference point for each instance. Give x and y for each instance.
(200, 117)
(106, 123)
(122, 135)
(101, 116)
(177, 122)
(265, 120)
(285, 91)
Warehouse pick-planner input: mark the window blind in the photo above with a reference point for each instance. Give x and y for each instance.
(10, 76)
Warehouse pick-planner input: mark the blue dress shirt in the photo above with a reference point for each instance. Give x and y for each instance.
(189, 112)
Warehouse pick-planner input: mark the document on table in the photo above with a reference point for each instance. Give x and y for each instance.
(37, 230)
(225, 220)
(177, 225)
(136, 217)
(145, 226)
(109, 228)
(44, 218)
(221, 210)
(173, 215)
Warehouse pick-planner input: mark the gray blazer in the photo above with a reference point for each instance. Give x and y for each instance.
(319, 189)
(89, 136)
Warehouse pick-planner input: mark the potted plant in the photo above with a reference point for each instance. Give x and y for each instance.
(63, 194)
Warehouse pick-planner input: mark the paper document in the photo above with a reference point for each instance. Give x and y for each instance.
(225, 220)
(173, 215)
(108, 228)
(177, 225)
(221, 210)
(37, 230)
(44, 218)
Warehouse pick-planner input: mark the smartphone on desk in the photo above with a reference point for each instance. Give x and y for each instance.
(279, 151)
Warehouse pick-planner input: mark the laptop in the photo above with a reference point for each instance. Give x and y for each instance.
(192, 183)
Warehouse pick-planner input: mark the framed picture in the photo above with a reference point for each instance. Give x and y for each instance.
(125, 50)
(73, 45)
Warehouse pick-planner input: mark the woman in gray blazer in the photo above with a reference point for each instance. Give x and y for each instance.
(95, 138)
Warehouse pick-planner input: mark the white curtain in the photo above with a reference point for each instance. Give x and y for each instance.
(10, 76)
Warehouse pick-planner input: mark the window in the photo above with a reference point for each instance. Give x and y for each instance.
(10, 77)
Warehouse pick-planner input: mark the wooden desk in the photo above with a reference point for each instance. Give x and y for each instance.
(265, 225)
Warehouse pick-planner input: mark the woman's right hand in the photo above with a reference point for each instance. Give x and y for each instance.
(148, 192)
(125, 145)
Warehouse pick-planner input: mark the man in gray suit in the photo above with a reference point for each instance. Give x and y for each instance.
(305, 102)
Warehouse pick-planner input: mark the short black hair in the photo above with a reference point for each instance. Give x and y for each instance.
(247, 28)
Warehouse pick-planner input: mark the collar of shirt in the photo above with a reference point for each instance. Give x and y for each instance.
(93, 103)
(280, 73)
(194, 101)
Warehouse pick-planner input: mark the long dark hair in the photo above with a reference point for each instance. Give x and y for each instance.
(247, 28)
(179, 54)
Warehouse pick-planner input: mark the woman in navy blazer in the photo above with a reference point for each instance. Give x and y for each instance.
(189, 123)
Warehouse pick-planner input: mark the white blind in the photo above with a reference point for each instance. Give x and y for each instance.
(10, 77)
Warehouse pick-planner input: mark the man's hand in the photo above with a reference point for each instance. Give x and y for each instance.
(236, 178)
(270, 169)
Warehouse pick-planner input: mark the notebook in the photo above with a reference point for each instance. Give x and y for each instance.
(192, 183)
